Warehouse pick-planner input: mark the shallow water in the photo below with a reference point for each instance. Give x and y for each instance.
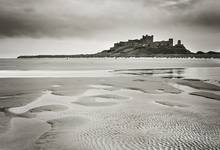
(204, 69)
(104, 63)
(53, 73)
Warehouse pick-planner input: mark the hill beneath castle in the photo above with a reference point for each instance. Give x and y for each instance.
(145, 46)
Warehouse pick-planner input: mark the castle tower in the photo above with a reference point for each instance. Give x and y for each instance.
(170, 42)
(147, 39)
(179, 42)
(152, 38)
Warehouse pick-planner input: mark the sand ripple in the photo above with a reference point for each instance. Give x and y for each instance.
(151, 131)
(121, 120)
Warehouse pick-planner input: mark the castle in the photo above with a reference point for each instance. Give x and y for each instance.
(144, 47)
(148, 42)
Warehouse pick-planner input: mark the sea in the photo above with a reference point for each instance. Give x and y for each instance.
(204, 69)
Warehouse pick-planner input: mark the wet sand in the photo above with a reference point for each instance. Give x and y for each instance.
(107, 113)
(207, 95)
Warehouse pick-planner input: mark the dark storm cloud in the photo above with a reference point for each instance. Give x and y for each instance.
(208, 17)
(37, 26)
(197, 13)
(209, 21)
(83, 18)
(52, 18)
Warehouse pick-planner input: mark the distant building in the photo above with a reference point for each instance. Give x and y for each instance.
(148, 42)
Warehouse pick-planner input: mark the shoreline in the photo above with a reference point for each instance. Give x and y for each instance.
(208, 56)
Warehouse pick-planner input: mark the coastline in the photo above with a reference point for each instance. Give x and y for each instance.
(131, 56)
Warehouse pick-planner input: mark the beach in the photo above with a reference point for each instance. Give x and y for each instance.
(110, 104)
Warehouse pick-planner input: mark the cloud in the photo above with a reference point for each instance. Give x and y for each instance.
(206, 15)
(76, 18)
(196, 13)
(47, 18)
(179, 4)
(86, 18)
(64, 26)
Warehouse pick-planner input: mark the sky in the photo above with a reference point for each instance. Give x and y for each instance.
(32, 27)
